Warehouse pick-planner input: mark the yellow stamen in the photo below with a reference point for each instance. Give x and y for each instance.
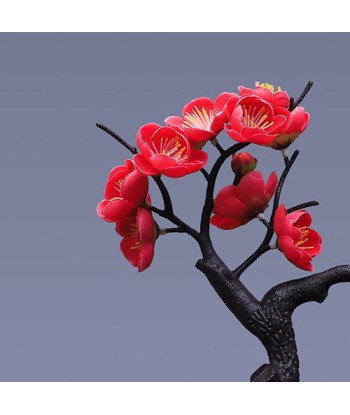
(170, 147)
(303, 238)
(199, 118)
(268, 86)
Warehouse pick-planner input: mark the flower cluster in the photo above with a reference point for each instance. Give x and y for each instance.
(260, 116)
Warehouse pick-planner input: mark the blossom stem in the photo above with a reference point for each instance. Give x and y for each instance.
(216, 144)
(262, 219)
(124, 143)
(273, 245)
(285, 155)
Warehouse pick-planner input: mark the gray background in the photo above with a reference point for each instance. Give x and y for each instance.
(71, 308)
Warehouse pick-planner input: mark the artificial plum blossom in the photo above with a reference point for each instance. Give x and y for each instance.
(254, 120)
(237, 205)
(242, 163)
(299, 121)
(202, 118)
(299, 118)
(267, 92)
(139, 235)
(165, 150)
(125, 190)
(299, 243)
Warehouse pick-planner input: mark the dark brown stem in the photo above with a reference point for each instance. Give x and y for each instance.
(209, 197)
(264, 246)
(124, 143)
(205, 174)
(302, 206)
(302, 96)
(168, 205)
(175, 230)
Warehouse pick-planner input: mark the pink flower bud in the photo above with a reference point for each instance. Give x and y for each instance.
(243, 163)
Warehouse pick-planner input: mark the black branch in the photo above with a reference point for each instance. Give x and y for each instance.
(312, 288)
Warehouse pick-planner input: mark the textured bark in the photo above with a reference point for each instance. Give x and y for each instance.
(270, 320)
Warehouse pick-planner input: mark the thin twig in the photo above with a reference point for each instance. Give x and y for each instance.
(302, 95)
(214, 141)
(221, 149)
(168, 206)
(209, 202)
(205, 174)
(291, 104)
(265, 222)
(283, 177)
(303, 206)
(175, 230)
(264, 246)
(124, 143)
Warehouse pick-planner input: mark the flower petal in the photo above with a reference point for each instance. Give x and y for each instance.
(145, 225)
(144, 166)
(117, 210)
(198, 103)
(250, 187)
(135, 187)
(225, 223)
(146, 256)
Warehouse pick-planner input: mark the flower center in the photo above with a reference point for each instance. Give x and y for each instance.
(171, 147)
(255, 117)
(268, 86)
(303, 238)
(199, 119)
(138, 245)
(117, 186)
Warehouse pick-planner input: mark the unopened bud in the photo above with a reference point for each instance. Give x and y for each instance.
(243, 163)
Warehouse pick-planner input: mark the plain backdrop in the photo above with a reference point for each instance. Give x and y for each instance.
(71, 307)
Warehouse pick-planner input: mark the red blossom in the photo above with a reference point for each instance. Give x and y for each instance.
(202, 118)
(139, 235)
(254, 120)
(165, 150)
(242, 163)
(236, 205)
(299, 243)
(299, 121)
(125, 190)
(267, 93)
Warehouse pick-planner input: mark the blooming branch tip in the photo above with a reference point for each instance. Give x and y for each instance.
(260, 217)
(273, 245)
(285, 153)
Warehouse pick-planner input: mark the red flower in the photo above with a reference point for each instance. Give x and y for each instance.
(267, 93)
(139, 235)
(299, 121)
(243, 163)
(255, 120)
(202, 118)
(165, 150)
(236, 205)
(125, 190)
(295, 239)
